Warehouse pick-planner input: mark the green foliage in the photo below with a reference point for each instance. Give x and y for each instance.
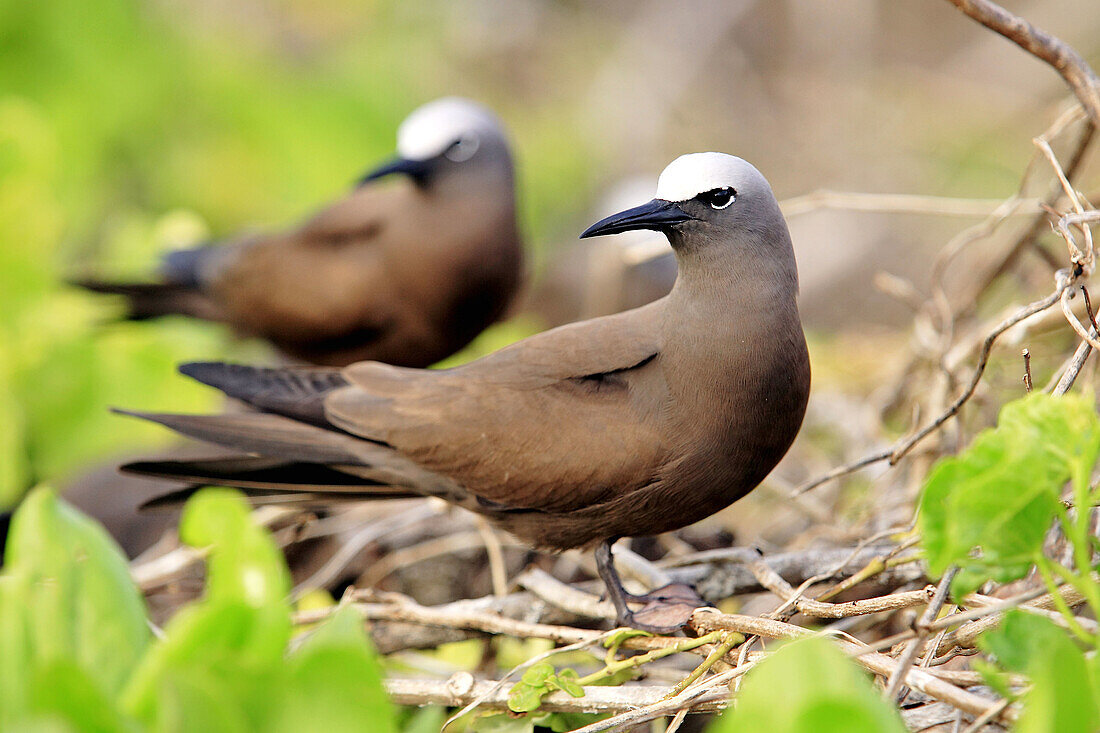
(538, 681)
(1001, 494)
(987, 511)
(1065, 693)
(129, 128)
(67, 606)
(76, 652)
(808, 686)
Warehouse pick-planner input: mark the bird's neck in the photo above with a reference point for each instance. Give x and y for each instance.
(720, 289)
(493, 183)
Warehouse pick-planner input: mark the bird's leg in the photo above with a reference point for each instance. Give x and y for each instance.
(605, 566)
(669, 607)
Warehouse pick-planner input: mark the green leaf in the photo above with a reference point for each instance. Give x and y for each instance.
(198, 703)
(526, 697)
(227, 650)
(64, 690)
(1020, 638)
(1001, 494)
(566, 681)
(245, 564)
(537, 674)
(228, 647)
(14, 467)
(1063, 696)
(335, 683)
(66, 596)
(808, 686)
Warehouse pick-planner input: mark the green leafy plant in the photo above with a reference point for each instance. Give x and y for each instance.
(822, 691)
(988, 510)
(77, 653)
(538, 681)
(1065, 682)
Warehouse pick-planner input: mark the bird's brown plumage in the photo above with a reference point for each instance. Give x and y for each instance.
(405, 274)
(631, 424)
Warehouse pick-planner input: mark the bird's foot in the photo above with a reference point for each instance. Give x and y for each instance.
(665, 610)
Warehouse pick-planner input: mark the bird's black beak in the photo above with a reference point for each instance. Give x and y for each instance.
(658, 214)
(417, 170)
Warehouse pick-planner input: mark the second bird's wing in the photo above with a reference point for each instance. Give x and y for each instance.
(317, 290)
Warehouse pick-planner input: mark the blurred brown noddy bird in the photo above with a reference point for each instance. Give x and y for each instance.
(631, 424)
(404, 274)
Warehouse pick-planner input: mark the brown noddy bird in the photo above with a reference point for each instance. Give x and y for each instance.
(631, 424)
(405, 274)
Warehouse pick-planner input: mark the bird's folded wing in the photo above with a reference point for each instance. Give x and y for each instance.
(292, 292)
(563, 420)
(359, 216)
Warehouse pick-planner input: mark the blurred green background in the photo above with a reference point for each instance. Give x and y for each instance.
(127, 128)
(131, 126)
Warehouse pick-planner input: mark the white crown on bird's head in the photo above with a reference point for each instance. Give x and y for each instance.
(694, 173)
(434, 127)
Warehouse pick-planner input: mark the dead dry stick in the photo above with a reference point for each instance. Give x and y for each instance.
(1080, 356)
(902, 447)
(989, 616)
(564, 596)
(983, 719)
(1040, 224)
(706, 620)
(1072, 369)
(496, 556)
(699, 699)
(1073, 68)
(818, 609)
(462, 689)
(1081, 260)
(905, 662)
(454, 616)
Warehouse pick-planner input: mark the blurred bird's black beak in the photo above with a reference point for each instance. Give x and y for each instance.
(658, 215)
(417, 170)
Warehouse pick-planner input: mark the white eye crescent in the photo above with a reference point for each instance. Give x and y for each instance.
(718, 198)
(463, 148)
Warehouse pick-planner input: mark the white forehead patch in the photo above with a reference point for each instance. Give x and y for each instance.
(692, 174)
(431, 129)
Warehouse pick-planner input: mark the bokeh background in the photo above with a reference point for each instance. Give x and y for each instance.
(128, 127)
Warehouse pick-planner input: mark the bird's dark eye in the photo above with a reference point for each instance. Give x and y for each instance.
(462, 149)
(718, 198)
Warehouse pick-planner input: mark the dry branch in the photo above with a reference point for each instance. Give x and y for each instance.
(895, 453)
(1073, 68)
(705, 620)
(462, 689)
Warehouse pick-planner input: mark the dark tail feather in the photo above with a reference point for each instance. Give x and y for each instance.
(297, 393)
(250, 472)
(304, 500)
(154, 300)
(264, 481)
(184, 266)
(291, 441)
(262, 433)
